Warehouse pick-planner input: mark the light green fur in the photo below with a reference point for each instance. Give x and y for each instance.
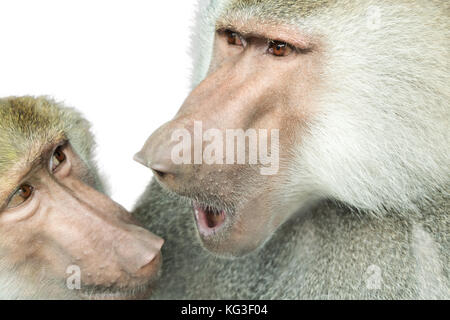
(286, 10)
(29, 124)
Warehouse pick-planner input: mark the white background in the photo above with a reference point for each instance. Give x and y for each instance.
(124, 64)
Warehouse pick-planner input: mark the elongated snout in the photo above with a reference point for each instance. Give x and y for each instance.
(157, 151)
(100, 237)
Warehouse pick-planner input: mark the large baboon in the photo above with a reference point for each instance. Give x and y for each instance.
(61, 237)
(357, 206)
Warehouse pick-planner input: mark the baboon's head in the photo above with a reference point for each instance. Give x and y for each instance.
(297, 101)
(60, 236)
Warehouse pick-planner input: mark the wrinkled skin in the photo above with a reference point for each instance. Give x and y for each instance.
(248, 86)
(63, 221)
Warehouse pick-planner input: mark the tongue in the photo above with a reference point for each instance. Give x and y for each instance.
(208, 221)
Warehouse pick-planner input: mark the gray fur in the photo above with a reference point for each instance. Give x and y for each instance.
(325, 253)
(377, 154)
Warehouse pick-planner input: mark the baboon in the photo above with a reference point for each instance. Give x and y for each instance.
(359, 206)
(61, 237)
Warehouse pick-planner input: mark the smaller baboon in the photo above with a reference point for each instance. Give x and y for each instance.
(61, 237)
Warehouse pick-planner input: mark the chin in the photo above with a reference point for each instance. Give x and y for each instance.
(141, 294)
(104, 293)
(134, 290)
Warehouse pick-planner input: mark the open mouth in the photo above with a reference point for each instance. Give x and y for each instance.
(209, 219)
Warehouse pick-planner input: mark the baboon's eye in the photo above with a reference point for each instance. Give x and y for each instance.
(279, 49)
(57, 158)
(20, 196)
(234, 38)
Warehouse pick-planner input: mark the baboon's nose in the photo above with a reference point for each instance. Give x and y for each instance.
(160, 168)
(138, 157)
(156, 154)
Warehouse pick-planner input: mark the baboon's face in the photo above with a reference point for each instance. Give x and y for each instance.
(54, 227)
(253, 83)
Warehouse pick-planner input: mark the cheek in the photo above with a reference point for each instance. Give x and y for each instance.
(23, 213)
(80, 171)
(254, 223)
(21, 242)
(22, 231)
(221, 53)
(295, 107)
